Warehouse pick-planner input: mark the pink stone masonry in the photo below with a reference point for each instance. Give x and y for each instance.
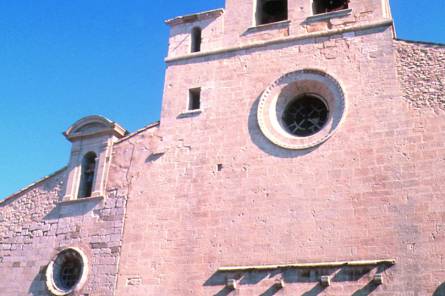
(422, 73)
(35, 226)
(193, 200)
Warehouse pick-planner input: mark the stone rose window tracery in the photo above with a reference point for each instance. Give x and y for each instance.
(305, 115)
(67, 272)
(70, 271)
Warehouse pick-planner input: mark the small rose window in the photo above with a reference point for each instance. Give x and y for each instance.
(67, 272)
(301, 109)
(305, 115)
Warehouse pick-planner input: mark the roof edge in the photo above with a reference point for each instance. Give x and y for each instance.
(147, 127)
(420, 42)
(194, 17)
(31, 186)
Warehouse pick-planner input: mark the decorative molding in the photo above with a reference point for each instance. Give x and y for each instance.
(336, 264)
(99, 126)
(231, 284)
(362, 27)
(378, 279)
(328, 15)
(279, 284)
(325, 280)
(195, 17)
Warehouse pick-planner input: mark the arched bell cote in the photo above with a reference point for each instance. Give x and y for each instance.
(93, 126)
(92, 139)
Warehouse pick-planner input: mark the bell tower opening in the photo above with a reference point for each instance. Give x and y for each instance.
(196, 39)
(323, 6)
(270, 11)
(87, 175)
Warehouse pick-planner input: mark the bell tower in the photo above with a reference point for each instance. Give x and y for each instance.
(319, 34)
(299, 13)
(267, 110)
(250, 21)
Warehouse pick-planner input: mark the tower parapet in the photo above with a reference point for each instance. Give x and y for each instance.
(247, 23)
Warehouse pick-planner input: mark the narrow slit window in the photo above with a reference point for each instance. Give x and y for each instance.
(323, 6)
(270, 11)
(194, 99)
(88, 169)
(196, 39)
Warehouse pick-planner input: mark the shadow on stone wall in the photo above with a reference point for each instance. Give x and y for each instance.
(366, 290)
(295, 276)
(79, 208)
(440, 290)
(38, 285)
(315, 290)
(257, 137)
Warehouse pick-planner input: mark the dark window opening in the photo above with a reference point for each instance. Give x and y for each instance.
(323, 6)
(194, 99)
(70, 273)
(271, 11)
(305, 115)
(196, 39)
(68, 270)
(87, 175)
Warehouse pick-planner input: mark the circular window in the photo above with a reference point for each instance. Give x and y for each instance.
(301, 109)
(67, 272)
(305, 115)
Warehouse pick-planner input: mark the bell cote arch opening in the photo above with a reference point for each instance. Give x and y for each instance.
(88, 171)
(92, 139)
(324, 6)
(270, 11)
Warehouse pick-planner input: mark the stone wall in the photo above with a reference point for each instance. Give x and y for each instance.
(35, 226)
(421, 72)
(206, 190)
(220, 194)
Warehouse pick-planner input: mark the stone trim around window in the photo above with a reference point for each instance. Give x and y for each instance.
(282, 92)
(55, 271)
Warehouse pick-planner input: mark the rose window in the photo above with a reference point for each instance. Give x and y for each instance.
(305, 115)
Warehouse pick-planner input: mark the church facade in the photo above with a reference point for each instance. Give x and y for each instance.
(300, 151)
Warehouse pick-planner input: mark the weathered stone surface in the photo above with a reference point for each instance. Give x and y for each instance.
(36, 226)
(207, 189)
(422, 73)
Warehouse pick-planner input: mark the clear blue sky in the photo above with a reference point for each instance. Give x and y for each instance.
(62, 60)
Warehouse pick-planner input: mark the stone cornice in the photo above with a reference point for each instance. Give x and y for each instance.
(195, 17)
(362, 27)
(106, 127)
